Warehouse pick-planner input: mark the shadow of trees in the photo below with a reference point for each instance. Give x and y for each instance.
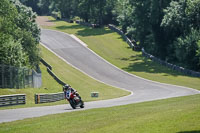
(52, 21)
(94, 32)
(197, 131)
(86, 31)
(72, 27)
(141, 64)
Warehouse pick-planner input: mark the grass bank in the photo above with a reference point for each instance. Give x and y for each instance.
(175, 115)
(81, 82)
(111, 47)
(49, 85)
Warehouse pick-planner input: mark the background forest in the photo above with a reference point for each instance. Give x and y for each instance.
(168, 29)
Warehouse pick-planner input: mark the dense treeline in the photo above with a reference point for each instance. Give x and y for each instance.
(168, 29)
(19, 35)
(93, 11)
(165, 28)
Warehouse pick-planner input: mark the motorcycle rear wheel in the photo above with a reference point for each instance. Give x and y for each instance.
(72, 104)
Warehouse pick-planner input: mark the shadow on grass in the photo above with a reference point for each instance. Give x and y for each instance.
(141, 64)
(52, 20)
(72, 27)
(86, 31)
(94, 32)
(189, 132)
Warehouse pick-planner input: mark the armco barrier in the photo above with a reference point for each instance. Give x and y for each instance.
(47, 98)
(88, 24)
(49, 70)
(9, 100)
(132, 45)
(45, 63)
(55, 77)
(147, 55)
(171, 66)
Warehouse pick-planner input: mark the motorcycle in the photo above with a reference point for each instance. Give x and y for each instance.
(74, 99)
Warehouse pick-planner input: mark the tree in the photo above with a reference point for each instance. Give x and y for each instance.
(84, 10)
(65, 7)
(29, 32)
(187, 50)
(193, 13)
(181, 21)
(160, 36)
(11, 52)
(18, 33)
(33, 4)
(124, 14)
(140, 23)
(43, 6)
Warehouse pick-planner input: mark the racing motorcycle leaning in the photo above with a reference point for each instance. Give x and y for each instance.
(74, 99)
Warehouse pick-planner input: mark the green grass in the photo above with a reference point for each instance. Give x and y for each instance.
(49, 85)
(175, 115)
(111, 47)
(82, 83)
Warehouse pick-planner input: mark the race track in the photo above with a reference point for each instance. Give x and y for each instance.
(85, 60)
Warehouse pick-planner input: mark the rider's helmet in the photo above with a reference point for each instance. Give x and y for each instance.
(65, 87)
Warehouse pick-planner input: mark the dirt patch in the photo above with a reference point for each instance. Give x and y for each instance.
(44, 21)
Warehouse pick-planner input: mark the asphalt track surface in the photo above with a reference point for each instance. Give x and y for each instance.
(82, 58)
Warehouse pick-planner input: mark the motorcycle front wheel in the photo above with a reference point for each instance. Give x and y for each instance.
(82, 104)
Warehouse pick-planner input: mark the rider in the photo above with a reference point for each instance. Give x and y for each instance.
(68, 87)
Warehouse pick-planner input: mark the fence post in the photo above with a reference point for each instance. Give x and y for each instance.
(11, 80)
(3, 76)
(24, 78)
(36, 99)
(17, 80)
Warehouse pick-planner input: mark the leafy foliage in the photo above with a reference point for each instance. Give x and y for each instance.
(187, 49)
(12, 53)
(93, 11)
(19, 34)
(155, 25)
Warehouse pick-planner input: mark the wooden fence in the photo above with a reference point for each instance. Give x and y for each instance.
(8, 100)
(47, 98)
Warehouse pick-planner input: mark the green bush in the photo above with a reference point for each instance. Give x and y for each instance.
(56, 15)
(187, 50)
(19, 34)
(12, 53)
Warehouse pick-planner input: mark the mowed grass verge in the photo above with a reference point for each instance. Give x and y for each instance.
(111, 47)
(175, 115)
(81, 82)
(49, 85)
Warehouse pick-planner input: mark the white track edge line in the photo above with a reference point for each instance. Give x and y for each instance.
(88, 74)
(127, 72)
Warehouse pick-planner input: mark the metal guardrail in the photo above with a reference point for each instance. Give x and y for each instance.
(9, 100)
(46, 64)
(171, 66)
(47, 98)
(155, 59)
(134, 46)
(49, 70)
